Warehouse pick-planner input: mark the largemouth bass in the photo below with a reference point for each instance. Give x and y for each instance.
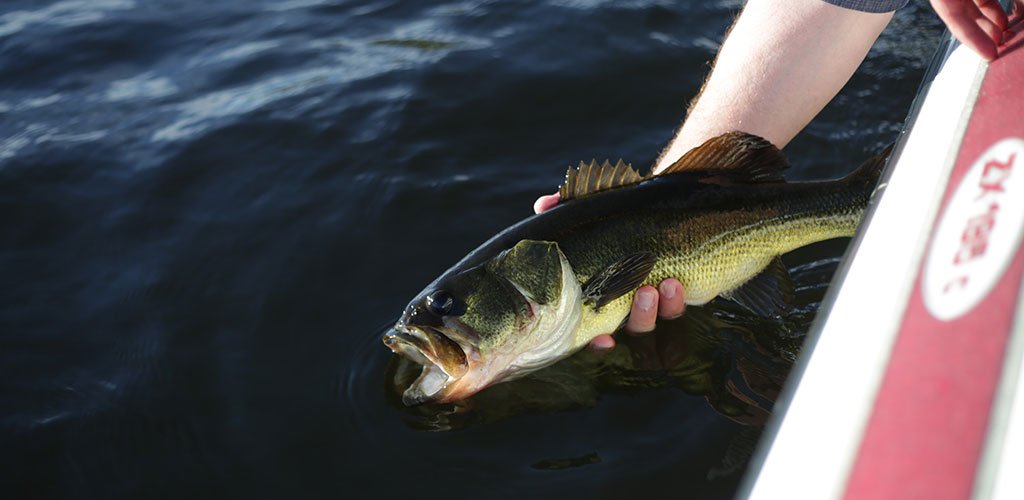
(717, 219)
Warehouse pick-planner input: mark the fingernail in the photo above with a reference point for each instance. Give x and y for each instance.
(645, 299)
(667, 290)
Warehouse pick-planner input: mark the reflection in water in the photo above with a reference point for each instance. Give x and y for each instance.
(737, 371)
(737, 363)
(565, 463)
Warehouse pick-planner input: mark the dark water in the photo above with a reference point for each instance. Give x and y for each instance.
(210, 209)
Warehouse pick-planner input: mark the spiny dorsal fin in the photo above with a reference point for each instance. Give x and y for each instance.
(590, 178)
(734, 157)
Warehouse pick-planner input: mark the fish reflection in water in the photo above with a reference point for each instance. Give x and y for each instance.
(735, 361)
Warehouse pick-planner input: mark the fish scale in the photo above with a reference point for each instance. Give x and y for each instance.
(716, 220)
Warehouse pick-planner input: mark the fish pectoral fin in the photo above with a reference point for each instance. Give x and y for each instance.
(734, 157)
(618, 279)
(769, 294)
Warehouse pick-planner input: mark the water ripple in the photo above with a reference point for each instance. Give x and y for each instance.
(354, 60)
(209, 206)
(65, 14)
(143, 86)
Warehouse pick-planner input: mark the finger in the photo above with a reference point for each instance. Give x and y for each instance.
(671, 299)
(1016, 23)
(545, 203)
(994, 12)
(1015, 28)
(601, 343)
(978, 37)
(644, 312)
(1013, 32)
(965, 21)
(993, 32)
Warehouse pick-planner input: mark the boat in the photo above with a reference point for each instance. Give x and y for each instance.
(910, 385)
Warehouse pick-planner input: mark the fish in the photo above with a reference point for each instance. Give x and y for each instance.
(718, 219)
(737, 369)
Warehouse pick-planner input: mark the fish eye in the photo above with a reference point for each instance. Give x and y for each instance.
(440, 302)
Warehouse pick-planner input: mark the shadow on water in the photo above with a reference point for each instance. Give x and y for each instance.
(723, 367)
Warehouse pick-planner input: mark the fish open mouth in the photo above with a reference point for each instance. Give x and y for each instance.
(443, 361)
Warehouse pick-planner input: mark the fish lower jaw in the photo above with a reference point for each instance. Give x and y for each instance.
(496, 369)
(431, 382)
(434, 385)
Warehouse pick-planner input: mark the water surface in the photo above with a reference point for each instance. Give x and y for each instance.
(210, 209)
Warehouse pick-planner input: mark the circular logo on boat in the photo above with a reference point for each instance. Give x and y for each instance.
(979, 232)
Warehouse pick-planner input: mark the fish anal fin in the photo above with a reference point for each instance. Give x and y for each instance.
(590, 178)
(768, 294)
(736, 157)
(618, 279)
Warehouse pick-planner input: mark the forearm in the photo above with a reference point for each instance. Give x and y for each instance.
(781, 63)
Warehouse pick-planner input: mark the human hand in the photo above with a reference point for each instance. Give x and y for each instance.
(649, 303)
(978, 24)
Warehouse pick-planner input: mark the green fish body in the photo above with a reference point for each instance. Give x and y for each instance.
(540, 290)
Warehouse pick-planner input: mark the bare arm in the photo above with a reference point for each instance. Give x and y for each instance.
(781, 62)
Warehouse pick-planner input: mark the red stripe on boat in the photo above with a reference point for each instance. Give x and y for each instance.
(928, 426)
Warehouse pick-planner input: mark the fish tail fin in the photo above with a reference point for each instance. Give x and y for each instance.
(869, 172)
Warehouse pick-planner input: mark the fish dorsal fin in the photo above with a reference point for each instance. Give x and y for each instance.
(736, 157)
(590, 178)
